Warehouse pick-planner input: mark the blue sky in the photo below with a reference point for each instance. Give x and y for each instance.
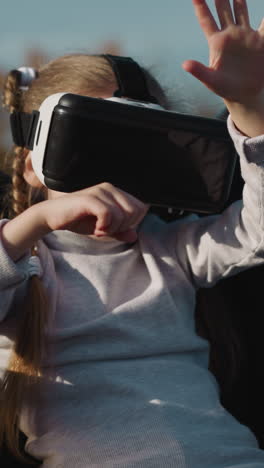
(158, 32)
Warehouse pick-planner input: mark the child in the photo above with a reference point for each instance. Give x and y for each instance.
(108, 371)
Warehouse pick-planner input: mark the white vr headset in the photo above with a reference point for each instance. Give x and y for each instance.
(164, 158)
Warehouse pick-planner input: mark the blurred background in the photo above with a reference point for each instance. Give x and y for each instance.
(160, 34)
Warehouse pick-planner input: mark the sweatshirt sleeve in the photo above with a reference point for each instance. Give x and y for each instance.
(14, 275)
(215, 247)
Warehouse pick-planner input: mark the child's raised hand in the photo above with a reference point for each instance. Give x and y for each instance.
(236, 53)
(101, 210)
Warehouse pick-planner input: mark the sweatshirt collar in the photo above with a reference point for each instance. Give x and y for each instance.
(67, 241)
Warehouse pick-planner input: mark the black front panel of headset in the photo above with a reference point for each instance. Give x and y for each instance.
(161, 165)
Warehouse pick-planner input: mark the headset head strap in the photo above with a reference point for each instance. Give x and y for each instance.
(131, 84)
(130, 79)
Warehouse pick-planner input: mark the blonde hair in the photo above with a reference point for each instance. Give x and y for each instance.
(79, 74)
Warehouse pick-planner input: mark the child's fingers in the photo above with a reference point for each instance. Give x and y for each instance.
(241, 13)
(224, 12)
(102, 211)
(261, 28)
(205, 18)
(125, 211)
(115, 210)
(103, 205)
(134, 210)
(110, 223)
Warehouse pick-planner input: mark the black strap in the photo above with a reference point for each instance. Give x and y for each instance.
(131, 84)
(130, 79)
(23, 128)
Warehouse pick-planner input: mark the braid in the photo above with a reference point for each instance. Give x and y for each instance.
(17, 198)
(12, 94)
(25, 362)
(24, 367)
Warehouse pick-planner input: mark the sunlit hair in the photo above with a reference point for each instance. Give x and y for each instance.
(89, 75)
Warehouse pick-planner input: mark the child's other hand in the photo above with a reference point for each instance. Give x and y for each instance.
(236, 51)
(236, 62)
(101, 210)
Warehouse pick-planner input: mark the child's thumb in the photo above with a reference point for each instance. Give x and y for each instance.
(197, 69)
(212, 79)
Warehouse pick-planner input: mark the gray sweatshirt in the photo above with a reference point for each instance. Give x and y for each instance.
(125, 382)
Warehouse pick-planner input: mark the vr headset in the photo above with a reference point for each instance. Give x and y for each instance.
(164, 158)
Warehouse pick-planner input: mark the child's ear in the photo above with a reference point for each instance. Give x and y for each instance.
(29, 174)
